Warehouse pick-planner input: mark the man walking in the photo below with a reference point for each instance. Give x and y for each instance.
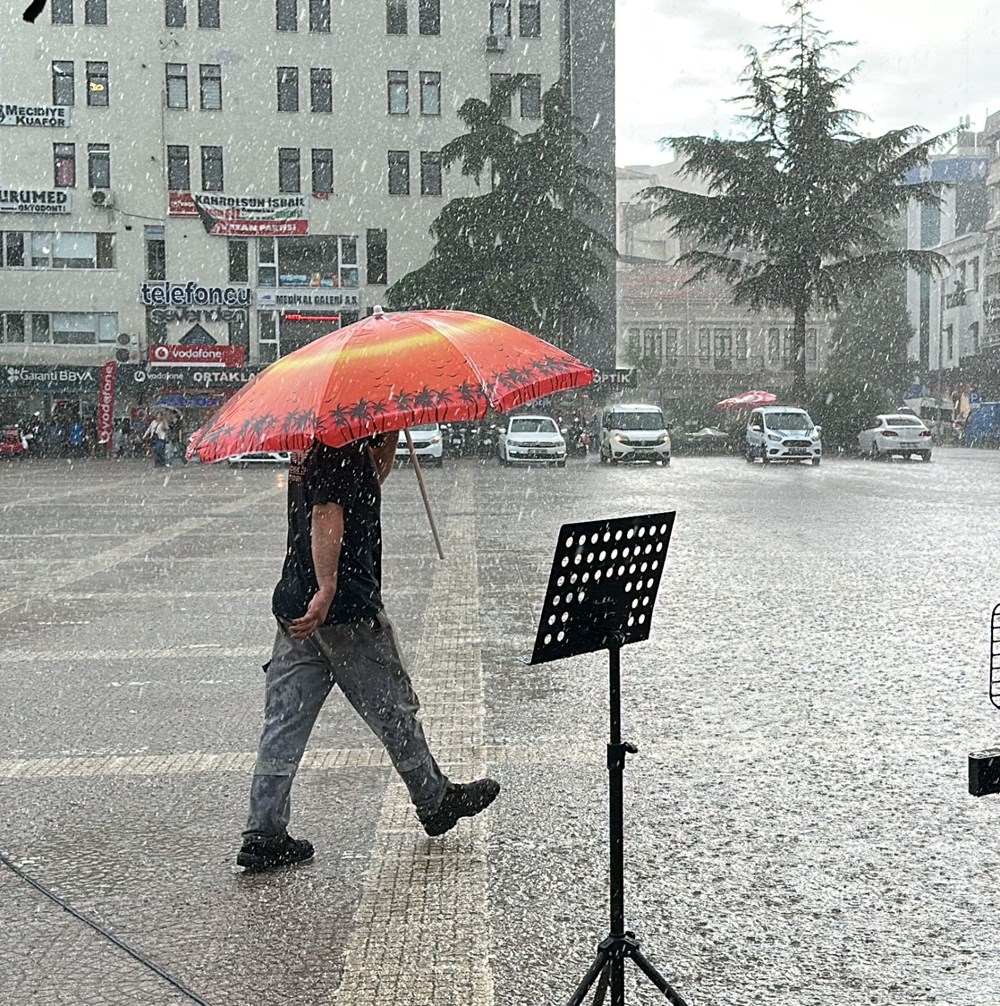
(333, 630)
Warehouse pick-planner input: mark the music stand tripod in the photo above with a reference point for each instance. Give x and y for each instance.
(602, 588)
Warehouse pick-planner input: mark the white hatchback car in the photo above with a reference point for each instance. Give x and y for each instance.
(532, 440)
(783, 433)
(428, 444)
(896, 434)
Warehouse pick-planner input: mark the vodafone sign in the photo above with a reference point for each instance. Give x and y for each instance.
(161, 355)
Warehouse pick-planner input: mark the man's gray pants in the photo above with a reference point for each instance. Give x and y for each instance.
(362, 659)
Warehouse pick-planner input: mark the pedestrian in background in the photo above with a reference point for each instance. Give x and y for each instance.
(333, 630)
(156, 433)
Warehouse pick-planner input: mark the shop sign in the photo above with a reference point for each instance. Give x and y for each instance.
(193, 294)
(619, 379)
(106, 402)
(198, 355)
(192, 315)
(276, 300)
(33, 115)
(54, 379)
(213, 378)
(243, 216)
(46, 201)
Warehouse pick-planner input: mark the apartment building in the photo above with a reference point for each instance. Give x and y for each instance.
(193, 188)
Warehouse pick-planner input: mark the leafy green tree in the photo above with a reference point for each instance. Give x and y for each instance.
(520, 250)
(798, 212)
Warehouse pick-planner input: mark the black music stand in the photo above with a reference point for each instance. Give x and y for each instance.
(601, 593)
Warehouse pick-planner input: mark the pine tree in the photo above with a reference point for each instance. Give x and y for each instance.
(798, 213)
(519, 251)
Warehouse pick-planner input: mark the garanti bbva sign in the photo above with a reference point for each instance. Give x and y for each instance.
(34, 115)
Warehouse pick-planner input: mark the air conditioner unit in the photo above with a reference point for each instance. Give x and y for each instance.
(104, 198)
(127, 348)
(496, 43)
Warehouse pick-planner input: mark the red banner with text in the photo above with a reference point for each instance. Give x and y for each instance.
(106, 402)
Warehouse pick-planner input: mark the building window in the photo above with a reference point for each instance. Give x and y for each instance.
(429, 14)
(530, 18)
(267, 336)
(974, 337)
(633, 344)
(63, 86)
(376, 248)
(64, 157)
(430, 93)
(500, 92)
(97, 84)
(239, 264)
(652, 344)
(267, 263)
(176, 13)
(12, 249)
(319, 15)
(975, 270)
(289, 170)
(786, 348)
(99, 165)
(773, 345)
(430, 173)
(322, 171)
(177, 85)
(210, 79)
(399, 172)
(208, 13)
(811, 346)
(704, 345)
(83, 329)
(531, 96)
(287, 15)
(321, 89)
(399, 92)
(62, 11)
(12, 327)
(500, 17)
(95, 12)
(288, 88)
(395, 17)
(670, 347)
(178, 169)
(211, 169)
(156, 254)
(723, 348)
(741, 344)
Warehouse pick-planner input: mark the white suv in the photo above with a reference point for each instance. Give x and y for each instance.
(634, 433)
(783, 433)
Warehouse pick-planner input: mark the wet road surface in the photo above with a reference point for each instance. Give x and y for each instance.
(798, 827)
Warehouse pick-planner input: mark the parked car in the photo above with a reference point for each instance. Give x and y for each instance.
(12, 443)
(634, 433)
(896, 435)
(428, 444)
(783, 433)
(531, 440)
(260, 458)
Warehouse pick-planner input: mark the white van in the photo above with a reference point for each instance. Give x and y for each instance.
(634, 433)
(783, 433)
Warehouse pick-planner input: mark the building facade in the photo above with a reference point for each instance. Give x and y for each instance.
(193, 188)
(690, 337)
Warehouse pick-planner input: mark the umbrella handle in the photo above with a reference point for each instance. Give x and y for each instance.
(423, 491)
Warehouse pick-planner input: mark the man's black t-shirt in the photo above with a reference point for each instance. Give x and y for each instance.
(345, 476)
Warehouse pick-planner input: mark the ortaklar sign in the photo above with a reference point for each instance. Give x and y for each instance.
(208, 378)
(162, 355)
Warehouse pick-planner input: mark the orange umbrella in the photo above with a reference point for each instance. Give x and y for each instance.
(388, 372)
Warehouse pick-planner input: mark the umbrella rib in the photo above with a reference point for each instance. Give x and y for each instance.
(465, 358)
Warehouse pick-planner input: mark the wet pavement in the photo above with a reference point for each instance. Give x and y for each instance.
(798, 826)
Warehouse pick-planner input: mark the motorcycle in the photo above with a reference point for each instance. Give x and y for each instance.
(454, 439)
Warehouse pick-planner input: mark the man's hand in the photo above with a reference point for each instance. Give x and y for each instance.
(385, 455)
(315, 616)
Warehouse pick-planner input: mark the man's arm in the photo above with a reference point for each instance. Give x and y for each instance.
(327, 534)
(385, 455)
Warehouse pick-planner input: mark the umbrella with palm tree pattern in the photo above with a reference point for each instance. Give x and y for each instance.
(388, 372)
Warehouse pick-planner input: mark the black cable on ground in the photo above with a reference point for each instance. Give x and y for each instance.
(193, 996)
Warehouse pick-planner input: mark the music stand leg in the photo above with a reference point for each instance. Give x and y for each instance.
(619, 944)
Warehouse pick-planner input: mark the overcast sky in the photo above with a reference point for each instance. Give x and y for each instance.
(926, 63)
